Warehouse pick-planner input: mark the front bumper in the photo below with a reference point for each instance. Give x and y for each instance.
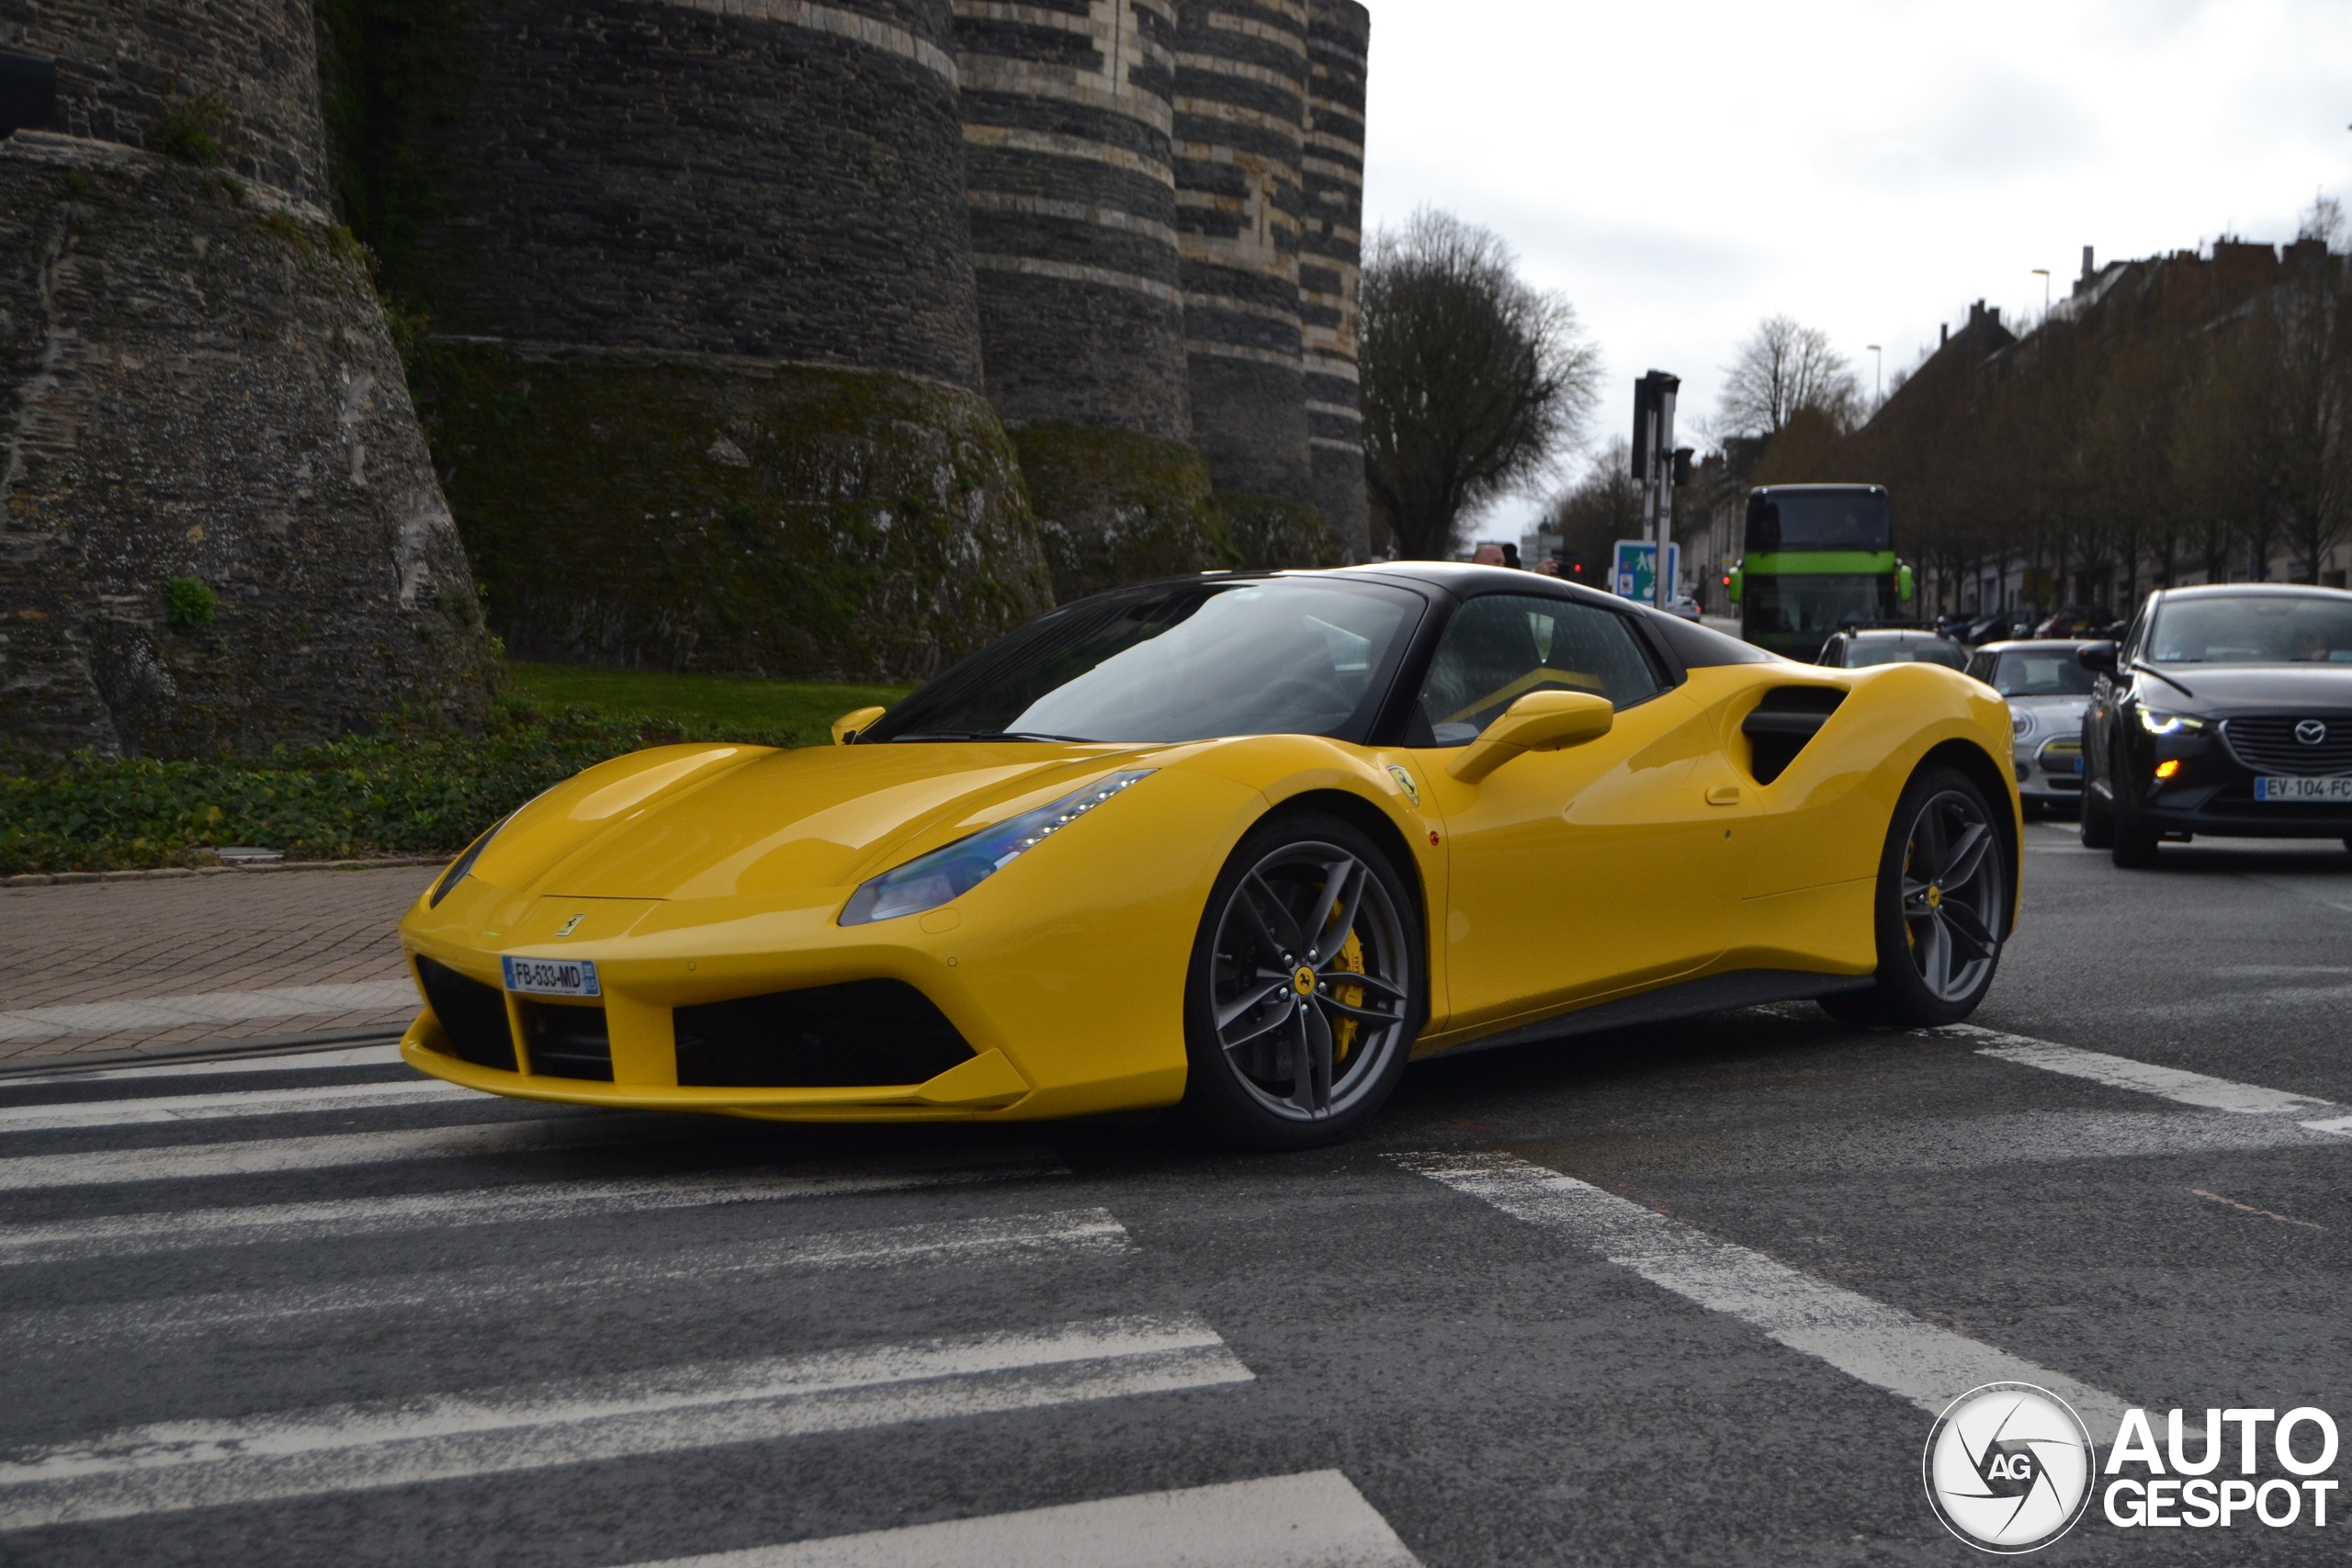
(2050, 771)
(2212, 793)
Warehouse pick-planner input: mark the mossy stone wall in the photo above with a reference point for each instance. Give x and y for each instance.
(655, 510)
(1116, 507)
(220, 527)
(1270, 533)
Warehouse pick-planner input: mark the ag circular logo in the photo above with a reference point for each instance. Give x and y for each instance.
(2009, 1467)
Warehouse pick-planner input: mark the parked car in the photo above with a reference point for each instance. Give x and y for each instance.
(2074, 621)
(2000, 626)
(2225, 710)
(1687, 607)
(2047, 689)
(1856, 649)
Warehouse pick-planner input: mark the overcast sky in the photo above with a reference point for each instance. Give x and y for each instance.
(1869, 168)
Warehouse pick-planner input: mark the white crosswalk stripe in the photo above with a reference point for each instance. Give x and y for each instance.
(1868, 1340)
(111, 1236)
(1316, 1520)
(2145, 1078)
(110, 1168)
(1058, 1237)
(207, 1007)
(212, 1067)
(170, 1466)
(93, 1113)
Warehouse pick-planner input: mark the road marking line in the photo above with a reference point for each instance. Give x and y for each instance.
(2145, 1078)
(289, 1062)
(1061, 1235)
(220, 1107)
(208, 1006)
(109, 1168)
(538, 1202)
(2250, 1209)
(177, 1465)
(1315, 1520)
(1868, 1341)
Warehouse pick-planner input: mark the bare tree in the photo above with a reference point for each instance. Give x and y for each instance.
(1474, 382)
(1780, 370)
(1599, 509)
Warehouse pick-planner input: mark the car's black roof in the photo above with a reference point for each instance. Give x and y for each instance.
(2012, 644)
(2232, 590)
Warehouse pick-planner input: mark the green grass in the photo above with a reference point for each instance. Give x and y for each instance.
(805, 709)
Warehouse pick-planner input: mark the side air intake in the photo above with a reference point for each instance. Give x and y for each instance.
(472, 1015)
(863, 1034)
(1782, 723)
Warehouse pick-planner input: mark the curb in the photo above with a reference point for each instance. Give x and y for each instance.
(273, 1045)
(173, 873)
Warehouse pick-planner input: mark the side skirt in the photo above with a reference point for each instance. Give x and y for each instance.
(1690, 999)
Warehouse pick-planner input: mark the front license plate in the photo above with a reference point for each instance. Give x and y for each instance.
(552, 977)
(2330, 792)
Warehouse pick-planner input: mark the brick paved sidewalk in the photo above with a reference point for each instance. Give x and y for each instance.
(110, 966)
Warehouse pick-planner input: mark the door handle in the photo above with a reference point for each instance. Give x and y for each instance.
(1723, 794)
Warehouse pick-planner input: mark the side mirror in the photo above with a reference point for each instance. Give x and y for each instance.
(1539, 721)
(847, 726)
(2098, 658)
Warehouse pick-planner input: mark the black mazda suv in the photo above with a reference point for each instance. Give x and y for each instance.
(2225, 710)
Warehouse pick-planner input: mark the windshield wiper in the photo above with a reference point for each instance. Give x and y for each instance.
(2143, 664)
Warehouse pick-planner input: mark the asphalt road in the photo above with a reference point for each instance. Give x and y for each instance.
(1679, 1295)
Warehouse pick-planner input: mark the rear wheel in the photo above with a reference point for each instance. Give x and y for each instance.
(1941, 908)
(1306, 988)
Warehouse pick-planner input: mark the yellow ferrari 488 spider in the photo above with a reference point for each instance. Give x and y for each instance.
(1245, 843)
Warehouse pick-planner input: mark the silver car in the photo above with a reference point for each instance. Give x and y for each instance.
(2047, 691)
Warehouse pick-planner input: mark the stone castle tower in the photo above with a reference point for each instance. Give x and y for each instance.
(219, 523)
(813, 339)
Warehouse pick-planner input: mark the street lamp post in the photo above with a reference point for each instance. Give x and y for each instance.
(1878, 374)
(2043, 273)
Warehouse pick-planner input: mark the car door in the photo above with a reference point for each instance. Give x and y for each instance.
(1576, 873)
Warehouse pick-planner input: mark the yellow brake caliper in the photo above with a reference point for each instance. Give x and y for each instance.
(1344, 1034)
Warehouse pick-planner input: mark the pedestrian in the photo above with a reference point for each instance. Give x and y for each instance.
(1511, 556)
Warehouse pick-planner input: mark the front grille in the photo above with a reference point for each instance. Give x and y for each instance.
(864, 1032)
(2062, 756)
(472, 1015)
(2268, 745)
(567, 1042)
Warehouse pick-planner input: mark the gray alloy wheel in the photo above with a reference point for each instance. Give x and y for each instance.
(1941, 906)
(1951, 894)
(1304, 997)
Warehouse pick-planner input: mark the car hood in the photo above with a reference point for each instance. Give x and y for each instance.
(2252, 688)
(2047, 710)
(746, 822)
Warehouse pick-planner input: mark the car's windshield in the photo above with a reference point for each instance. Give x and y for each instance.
(2035, 672)
(1810, 606)
(2254, 628)
(1263, 656)
(1867, 651)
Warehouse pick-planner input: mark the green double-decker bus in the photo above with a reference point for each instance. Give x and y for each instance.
(1816, 558)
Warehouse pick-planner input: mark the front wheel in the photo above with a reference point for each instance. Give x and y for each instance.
(1941, 906)
(1306, 990)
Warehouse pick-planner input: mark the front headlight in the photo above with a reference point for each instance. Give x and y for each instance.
(928, 881)
(464, 863)
(2156, 723)
(2020, 723)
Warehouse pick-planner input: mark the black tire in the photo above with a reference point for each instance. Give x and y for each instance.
(1957, 911)
(1302, 1066)
(2133, 844)
(2098, 826)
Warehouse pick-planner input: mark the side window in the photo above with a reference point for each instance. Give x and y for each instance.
(1499, 647)
(1981, 665)
(2130, 646)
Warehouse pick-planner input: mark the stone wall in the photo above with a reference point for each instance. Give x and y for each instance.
(1073, 208)
(651, 509)
(242, 71)
(773, 178)
(1338, 35)
(1241, 83)
(195, 383)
